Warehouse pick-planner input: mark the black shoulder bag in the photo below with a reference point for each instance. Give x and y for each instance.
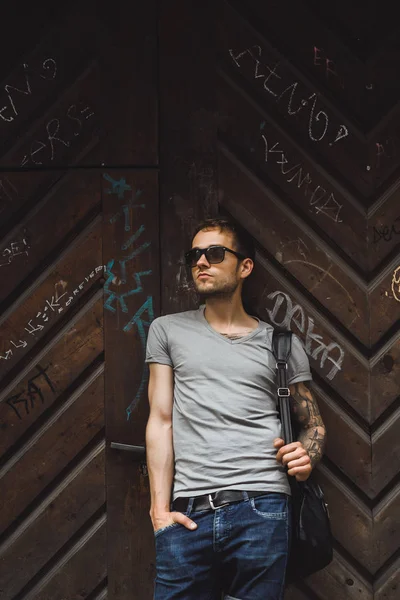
(311, 546)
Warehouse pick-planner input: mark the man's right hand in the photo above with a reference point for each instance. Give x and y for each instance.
(169, 518)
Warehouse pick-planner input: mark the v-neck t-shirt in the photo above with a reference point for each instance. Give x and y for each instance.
(224, 417)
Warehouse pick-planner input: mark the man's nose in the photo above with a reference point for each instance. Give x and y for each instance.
(203, 262)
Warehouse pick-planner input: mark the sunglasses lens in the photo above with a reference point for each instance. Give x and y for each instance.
(215, 255)
(192, 257)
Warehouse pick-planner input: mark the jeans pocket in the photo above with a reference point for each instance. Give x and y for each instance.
(271, 506)
(166, 528)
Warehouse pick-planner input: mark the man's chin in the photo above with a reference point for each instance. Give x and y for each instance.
(205, 294)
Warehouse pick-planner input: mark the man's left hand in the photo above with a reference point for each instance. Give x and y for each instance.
(296, 457)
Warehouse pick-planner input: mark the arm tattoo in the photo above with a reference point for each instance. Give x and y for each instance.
(312, 429)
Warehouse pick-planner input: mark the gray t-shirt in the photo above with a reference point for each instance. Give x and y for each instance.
(224, 413)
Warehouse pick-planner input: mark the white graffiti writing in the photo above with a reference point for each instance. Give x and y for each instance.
(13, 250)
(46, 150)
(314, 344)
(396, 284)
(318, 120)
(321, 200)
(53, 305)
(10, 110)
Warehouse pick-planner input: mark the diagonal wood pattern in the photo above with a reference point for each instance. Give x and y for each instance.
(69, 112)
(305, 98)
(308, 162)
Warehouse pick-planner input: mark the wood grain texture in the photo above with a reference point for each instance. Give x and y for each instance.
(309, 164)
(120, 129)
(132, 299)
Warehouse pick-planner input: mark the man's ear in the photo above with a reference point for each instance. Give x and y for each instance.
(246, 268)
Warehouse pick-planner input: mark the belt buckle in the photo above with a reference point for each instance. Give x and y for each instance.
(212, 503)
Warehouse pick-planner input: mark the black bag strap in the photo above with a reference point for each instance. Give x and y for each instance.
(281, 348)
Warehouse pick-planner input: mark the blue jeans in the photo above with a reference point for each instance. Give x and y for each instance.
(237, 552)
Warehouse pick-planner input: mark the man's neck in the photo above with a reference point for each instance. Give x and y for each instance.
(228, 315)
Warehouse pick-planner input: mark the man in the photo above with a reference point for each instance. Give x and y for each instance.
(213, 435)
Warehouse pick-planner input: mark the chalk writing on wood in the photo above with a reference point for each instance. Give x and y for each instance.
(318, 120)
(13, 250)
(321, 200)
(51, 306)
(387, 232)
(24, 402)
(26, 87)
(315, 347)
(396, 284)
(58, 132)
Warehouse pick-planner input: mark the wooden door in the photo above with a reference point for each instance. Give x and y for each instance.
(121, 126)
(308, 102)
(78, 99)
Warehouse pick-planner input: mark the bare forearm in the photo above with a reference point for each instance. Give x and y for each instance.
(160, 464)
(312, 429)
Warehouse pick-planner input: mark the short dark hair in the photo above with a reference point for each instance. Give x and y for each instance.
(243, 240)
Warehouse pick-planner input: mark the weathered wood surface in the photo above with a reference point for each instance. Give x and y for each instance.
(78, 97)
(188, 178)
(118, 133)
(132, 298)
(309, 164)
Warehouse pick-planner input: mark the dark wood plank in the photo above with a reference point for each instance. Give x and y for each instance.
(293, 593)
(385, 377)
(351, 519)
(387, 586)
(384, 229)
(84, 569)
(131, 559)
(51, 62)
(386, 525)
(132, 298)
(340, 580)
(384, 301)
(188, 177)
(386, 452)
(353, 458)
(65, 211)
(53, 523)
(51, 449)
(47, 381)
(321, 53)
(128, 61)
(73, 277)
(96, 71)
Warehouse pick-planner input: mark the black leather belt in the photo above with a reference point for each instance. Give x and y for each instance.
(213, 501)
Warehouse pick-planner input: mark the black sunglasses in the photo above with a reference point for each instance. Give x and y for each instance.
(213, 254)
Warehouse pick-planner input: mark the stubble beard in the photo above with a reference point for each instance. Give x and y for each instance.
(224, 291)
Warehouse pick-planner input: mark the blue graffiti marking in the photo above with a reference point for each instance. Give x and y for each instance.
(140, 324)
(136, 319)
(120, 297)
(133, 238)
(118, 187)
(126, 210)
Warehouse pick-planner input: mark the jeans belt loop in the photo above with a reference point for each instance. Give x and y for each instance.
(189, 506)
